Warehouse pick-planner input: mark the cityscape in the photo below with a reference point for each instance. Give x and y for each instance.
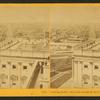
(50, 47)
(23, 60)
(76, 57)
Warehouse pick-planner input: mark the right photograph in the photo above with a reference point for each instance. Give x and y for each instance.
(75, 47)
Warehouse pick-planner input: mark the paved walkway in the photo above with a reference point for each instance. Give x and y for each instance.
(67, 84)
(60, 79)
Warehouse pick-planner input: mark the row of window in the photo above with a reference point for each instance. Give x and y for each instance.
(86, 83)
(11, 84)
(95, 67)
(24, 67)
(13, 66)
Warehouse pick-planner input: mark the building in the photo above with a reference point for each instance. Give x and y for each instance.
(86, 65)
(79, 65)
(23, 65)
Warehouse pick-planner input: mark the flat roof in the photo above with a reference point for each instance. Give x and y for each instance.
(25, 49)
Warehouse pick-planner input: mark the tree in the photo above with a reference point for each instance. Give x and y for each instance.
(85, 78)
(23, 79)
(3, 77)
(96, 78)
(13, 78)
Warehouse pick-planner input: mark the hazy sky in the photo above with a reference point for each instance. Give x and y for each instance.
(76, 14)
(55, 14)
(23, 14)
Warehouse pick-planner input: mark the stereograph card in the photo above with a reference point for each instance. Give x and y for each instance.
(50, 49)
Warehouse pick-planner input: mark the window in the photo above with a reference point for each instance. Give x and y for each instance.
(24, 67)
(13, 83)
(96, 67)
(85, 82)
(41, 85)
(13, 66)
(3, 82)
(96, 84)
(85, 66)
(3, 66)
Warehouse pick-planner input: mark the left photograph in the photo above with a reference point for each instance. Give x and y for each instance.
(24, 47)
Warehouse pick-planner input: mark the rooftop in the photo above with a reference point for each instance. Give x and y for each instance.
(24, 48)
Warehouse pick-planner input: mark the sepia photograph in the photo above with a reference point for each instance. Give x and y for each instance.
(75, 47)
(24, 48)
(49, 47)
